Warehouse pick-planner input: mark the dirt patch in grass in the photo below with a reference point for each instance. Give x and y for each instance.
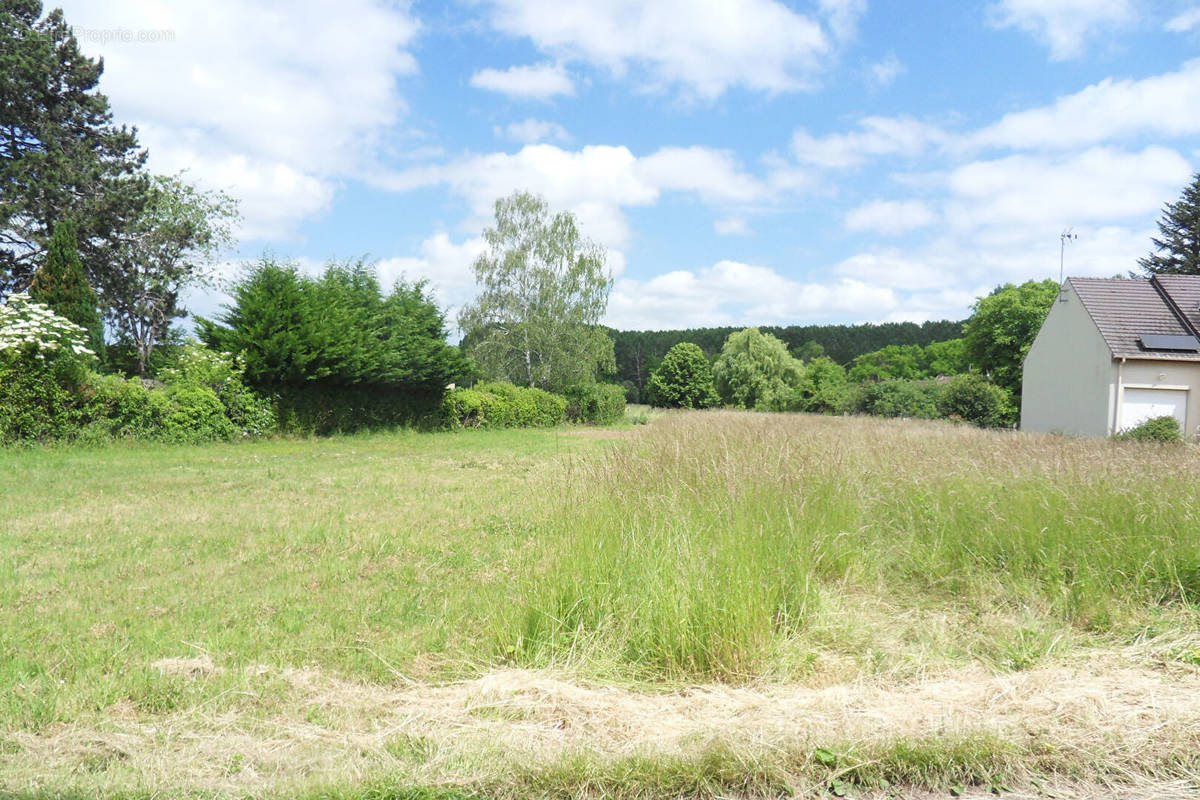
(1103, 726)
(192, 667)
(599, 433)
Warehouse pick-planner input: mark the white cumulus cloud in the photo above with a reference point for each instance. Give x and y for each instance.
(445, 264)
(1062, 25)
(884, 73)
(703, 47)
(532, 131)
(876, 136)
(1166, 105)
(735, 293)
(842, 16)
(1184, 21)
(595, 182)
(732, 226)
(538, 82)
(271, 101)
(1098, 185)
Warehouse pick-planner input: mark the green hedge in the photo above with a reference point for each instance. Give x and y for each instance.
(103, 408)
(321, 410)
(502, 405)
(57, 399)
(39, 397)
(595, 403)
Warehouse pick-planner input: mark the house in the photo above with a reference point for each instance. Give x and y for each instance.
(1114, 352)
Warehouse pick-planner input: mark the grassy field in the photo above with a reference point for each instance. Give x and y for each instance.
(714, 604)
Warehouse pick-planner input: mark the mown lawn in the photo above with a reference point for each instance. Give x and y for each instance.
(271, 618)
(363, 555)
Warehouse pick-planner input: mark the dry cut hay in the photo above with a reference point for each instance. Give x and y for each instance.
(1123, 723)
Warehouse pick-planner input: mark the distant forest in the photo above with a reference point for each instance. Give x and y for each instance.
(639, 352)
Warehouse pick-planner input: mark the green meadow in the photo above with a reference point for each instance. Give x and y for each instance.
(485, 613)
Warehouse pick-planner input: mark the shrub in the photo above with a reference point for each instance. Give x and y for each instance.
(684, 379)
(975, 399)
(196, 415)
(43, 363)
(502, 405)
(320, 409)
(119, 408)
(36, 398)
(595, 403)
(464, 408)
(896, 399)
(823, 388)
(529, 407)
(48, 392)
(195, 366)
(1156, 429)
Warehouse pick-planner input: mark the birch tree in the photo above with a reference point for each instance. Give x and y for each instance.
(543, 288)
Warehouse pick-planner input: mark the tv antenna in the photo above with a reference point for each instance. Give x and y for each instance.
(1063, 238)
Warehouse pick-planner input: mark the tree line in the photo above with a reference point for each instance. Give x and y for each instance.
(638, 353)
(975, 377)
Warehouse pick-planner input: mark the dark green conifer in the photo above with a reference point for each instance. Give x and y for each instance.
(1178, 251)
(61, 285)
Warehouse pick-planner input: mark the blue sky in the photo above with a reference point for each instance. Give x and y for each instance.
(748, 162)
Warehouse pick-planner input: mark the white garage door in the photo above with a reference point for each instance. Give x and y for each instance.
(1143, 404)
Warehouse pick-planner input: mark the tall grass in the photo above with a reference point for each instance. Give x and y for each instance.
(707, 548)
(706, 545)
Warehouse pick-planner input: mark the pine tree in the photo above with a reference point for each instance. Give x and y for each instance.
(61, 284)
(61, 154)
(1178, 251)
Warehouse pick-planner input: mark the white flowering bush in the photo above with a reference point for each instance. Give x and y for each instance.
(197, 365)
(33, 329)
(44, 363)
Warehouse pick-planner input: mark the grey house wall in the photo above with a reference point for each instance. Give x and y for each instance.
(1069, 377)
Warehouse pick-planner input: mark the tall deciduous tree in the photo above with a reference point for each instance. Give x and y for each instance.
(756, 371)
(1004, 325)
(61, 156)
(683, 380)
(61, 285)
(171, 245)
(1177, 252)
(543, 289)
(894, 361)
